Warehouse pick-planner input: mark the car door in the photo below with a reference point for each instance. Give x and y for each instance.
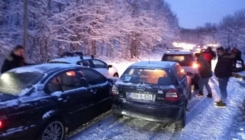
(101, 67)
(182, 81)
(100, 87)
(72, 94)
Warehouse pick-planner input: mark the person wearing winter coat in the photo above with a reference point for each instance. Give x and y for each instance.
(238, 54)
(15, 59)
(223, 71)
(205, 73)
(209, 55)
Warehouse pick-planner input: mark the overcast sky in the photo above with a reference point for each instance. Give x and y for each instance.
(194, 13)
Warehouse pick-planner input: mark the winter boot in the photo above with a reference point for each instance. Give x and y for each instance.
(220, 104)
(199, 94)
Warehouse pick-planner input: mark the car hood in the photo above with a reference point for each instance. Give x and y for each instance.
(7, 100)
(7, 97)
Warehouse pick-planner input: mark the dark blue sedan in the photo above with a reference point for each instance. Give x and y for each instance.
(153, 91)
(46, 101)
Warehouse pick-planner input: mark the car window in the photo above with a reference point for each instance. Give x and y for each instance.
(93, 77)
(183, 60)
(65, 81)
(99, 64)
(53, 85)
(180, 72)
(14, 83)
(149, 76)
(85, 63)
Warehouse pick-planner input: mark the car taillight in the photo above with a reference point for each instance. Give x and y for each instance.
(1, 124)
(114, 90)
(195, 65)
(172, 95)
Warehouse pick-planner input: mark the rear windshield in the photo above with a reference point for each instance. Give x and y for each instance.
(183, 60)
(13, 83)
(143, 75)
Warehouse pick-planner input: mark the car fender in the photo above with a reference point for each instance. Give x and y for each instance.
(51, 114)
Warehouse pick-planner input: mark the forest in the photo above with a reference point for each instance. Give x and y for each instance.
(113, 28)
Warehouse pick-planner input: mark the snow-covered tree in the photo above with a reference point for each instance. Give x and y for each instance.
(231, 31)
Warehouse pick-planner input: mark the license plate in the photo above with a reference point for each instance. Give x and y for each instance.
(139, 96)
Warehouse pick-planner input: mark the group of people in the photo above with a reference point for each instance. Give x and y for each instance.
(223, 71)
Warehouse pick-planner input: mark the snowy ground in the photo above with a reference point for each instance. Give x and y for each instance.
(204, 121)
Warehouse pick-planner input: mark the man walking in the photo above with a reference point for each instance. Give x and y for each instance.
(205, 73)
(223, 72)
(15, 59)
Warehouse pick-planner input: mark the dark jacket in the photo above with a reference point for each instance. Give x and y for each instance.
(12, 61)
(224, 66)
(204, 68)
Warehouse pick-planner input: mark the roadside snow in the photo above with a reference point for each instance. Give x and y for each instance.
(204, 121)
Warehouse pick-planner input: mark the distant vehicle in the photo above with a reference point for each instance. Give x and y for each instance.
(153, 91)
(45, 101)
(188, 62)
(77, 58)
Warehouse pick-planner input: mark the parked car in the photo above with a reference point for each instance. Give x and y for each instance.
(188, 62)
(87, 61)
(49, 100)
(153, 91)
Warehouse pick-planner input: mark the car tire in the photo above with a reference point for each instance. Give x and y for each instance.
(116, 75)
(53, 130)
(181, 123)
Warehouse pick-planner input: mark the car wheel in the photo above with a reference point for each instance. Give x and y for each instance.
(116, 75)
(54, 130)
(181, 123)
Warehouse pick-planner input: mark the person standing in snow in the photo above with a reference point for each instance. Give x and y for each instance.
(15, 59)
(205, 73)
(209, 55)
(223, 71)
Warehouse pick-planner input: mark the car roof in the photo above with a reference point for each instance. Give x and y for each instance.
(154, 64)
(71, 60)
(44, 68)
(181, 52)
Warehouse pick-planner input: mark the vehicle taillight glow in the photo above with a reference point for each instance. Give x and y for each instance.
(195, 65)
(114, 90)
(172, 95)
(1, 124)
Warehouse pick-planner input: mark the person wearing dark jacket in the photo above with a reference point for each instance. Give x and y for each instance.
(223, 71)
(205, 73)
(14, 60)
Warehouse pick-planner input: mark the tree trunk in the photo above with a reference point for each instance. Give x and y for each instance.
(25, 20)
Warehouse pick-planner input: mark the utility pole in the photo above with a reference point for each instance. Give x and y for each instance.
(25, 21)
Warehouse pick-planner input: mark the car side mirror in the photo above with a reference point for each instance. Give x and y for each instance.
(109, 66)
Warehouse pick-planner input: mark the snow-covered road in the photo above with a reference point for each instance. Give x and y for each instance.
(204, 121)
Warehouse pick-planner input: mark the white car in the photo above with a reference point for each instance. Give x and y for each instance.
(187, 60)
(87, 61)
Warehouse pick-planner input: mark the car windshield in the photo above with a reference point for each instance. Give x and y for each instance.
(143, 75)
(13, 83)
(183, 60)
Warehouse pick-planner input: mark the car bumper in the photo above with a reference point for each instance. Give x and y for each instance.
(149, 112)
(20, 133)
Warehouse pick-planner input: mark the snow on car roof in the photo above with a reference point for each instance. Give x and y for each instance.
(178, 52)
(154, 64)
(42, 68)
(70, 60)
